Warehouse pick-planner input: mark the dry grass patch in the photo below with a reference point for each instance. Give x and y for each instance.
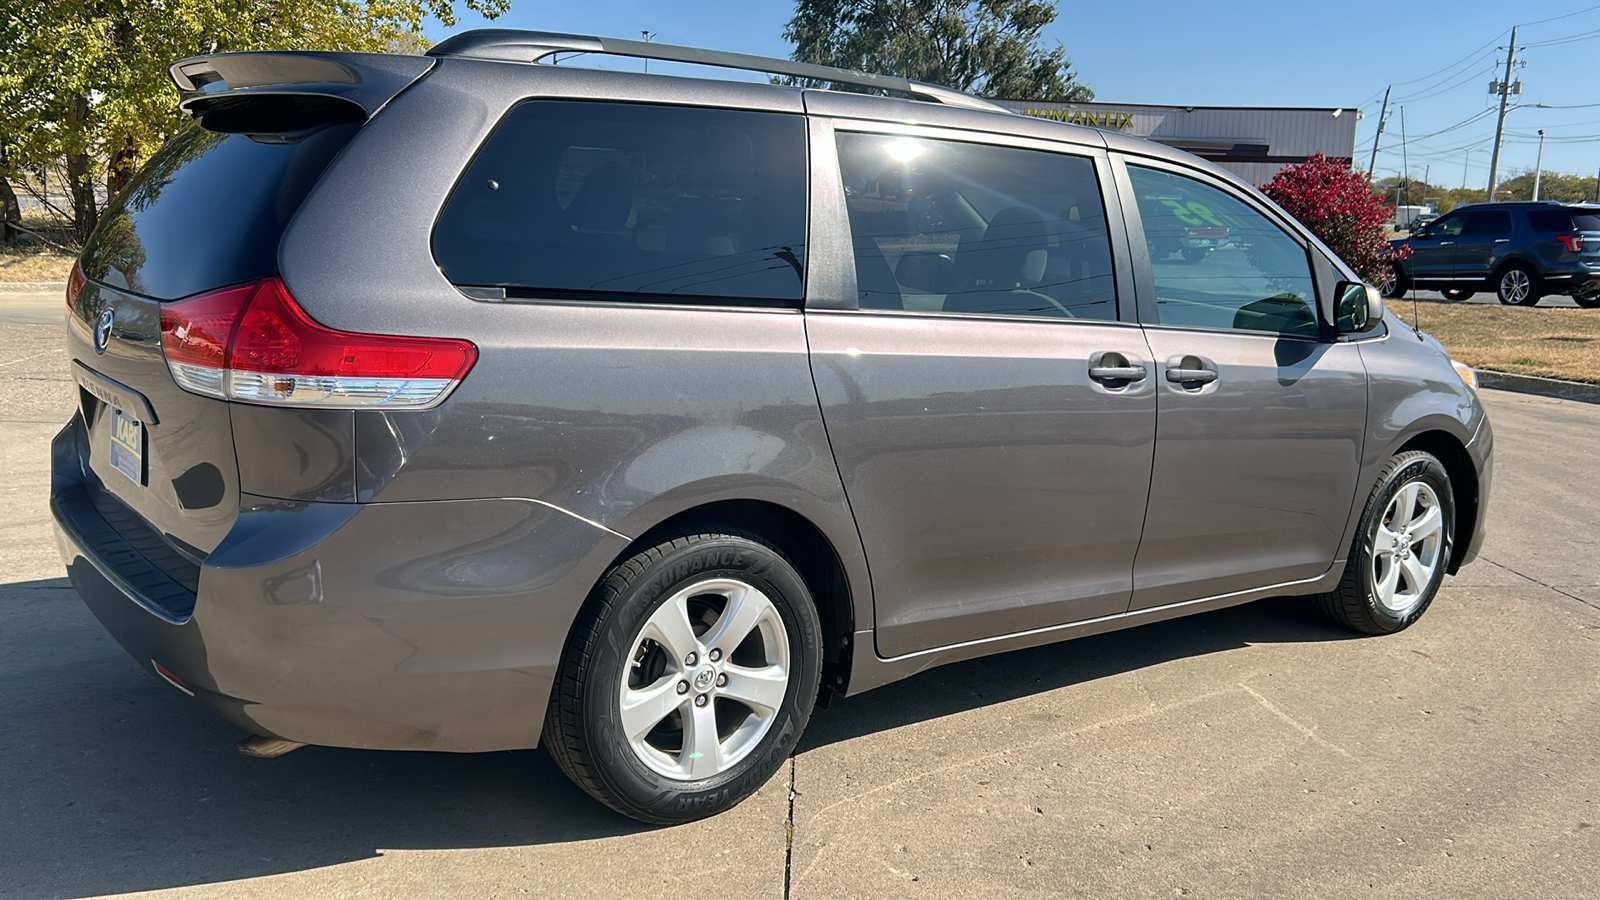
(30, 262)
(1553, 343)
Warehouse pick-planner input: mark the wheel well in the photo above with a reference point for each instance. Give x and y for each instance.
(1515, 261)
(1463, 484)
(806, 546)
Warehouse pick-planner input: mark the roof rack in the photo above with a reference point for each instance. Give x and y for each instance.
(508, 45)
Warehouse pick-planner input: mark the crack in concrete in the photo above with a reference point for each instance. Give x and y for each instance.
(1310, 733)
(1542, 584)
(788, 836)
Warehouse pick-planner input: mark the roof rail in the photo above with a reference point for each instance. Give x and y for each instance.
(508, 45)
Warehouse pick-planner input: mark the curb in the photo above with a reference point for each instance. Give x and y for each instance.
(1545, 387)
(31, 287)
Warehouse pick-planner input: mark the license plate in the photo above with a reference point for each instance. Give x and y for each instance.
(127, 445)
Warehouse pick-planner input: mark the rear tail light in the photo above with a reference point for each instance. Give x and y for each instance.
(75, 285)
(1574, 242)
(254, 344)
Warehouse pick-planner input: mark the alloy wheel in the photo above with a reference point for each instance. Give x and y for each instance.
(705, 680)
(1515, 286)
(1406, 547)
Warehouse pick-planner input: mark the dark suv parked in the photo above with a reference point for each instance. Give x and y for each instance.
(1521, 251)
(461, 403)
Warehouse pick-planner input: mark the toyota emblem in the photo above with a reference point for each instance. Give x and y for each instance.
(102, 331)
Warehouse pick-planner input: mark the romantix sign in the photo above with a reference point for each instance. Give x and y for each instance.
(1115, 120)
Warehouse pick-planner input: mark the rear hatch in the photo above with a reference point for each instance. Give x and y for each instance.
(205, 213)
(1586, 221)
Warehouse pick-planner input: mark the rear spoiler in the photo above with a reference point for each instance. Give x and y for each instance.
(266, 89)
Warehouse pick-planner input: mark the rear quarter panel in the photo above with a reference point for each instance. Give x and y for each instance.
(619, 414)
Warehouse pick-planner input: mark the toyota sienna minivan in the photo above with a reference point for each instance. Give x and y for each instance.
(467, 403)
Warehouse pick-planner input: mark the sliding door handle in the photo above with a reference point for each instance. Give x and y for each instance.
(1117, 373)
(1191, 376)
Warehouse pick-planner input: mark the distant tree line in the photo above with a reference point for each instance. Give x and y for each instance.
(1553, 186)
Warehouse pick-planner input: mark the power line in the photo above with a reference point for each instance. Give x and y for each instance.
(1471, 57)
(1569, 15)
(1568, 39)
(1465, 79)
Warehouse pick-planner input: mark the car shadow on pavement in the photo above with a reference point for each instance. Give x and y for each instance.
(112, 782)
(995, 679)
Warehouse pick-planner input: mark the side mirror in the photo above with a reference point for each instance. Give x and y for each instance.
(1358, 308)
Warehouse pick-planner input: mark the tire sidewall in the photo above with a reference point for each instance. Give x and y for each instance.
(1427, 469)
(652, 795)
(1533, 285)
(1397, 285)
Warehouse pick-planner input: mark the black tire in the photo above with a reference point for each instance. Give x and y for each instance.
(583, 731)
(1456, 294)
(1396, 286)
(1194, 254)
(1589, 301)
(1504, 285)
(1354, 602)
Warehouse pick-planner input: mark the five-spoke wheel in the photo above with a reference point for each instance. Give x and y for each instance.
(688, 678)
(1406, 547)
(1402, 547)
(706, 679)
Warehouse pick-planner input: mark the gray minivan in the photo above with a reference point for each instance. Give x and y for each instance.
(464, 403)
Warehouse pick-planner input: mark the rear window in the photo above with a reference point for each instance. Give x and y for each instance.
(1553, 221)
(208, 209)
(635, 202)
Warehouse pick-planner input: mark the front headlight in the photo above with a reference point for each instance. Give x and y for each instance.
(1466, 373)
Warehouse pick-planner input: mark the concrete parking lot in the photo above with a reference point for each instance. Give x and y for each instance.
(1253, 752)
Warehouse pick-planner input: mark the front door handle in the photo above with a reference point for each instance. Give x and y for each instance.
(1190, 376)
(1502, 240)
(1116, 373)
(1447, 243)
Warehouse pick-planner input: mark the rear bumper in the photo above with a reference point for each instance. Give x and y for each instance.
(1575, 278)
(407, 626)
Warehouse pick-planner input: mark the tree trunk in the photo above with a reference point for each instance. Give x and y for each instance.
(85, 215)
(10, 212)
(123, 161)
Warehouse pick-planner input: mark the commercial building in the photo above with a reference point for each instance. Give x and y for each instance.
(1252, 142)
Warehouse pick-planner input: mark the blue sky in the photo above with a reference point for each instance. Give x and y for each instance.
(1440, 57)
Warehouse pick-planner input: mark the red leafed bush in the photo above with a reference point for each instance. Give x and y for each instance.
(1332, 200)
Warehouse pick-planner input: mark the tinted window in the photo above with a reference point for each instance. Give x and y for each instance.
(1488, 221)
(1559, 220)
(208, 210)
(969, 228)
(1448, 226)
(610, 200)
(1249, 274)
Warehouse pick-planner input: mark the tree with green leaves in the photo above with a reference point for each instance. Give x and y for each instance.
(84, 90)
(990, 47)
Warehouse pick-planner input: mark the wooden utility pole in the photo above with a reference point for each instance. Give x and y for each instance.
(1373, 160)
(1500, 124)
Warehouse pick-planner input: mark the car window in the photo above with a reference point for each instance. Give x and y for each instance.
(1218, 263)
(1488, 221)
(946, 226)
(244, 187)
(1552, 221)
(1446, 226)
(630, 201)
